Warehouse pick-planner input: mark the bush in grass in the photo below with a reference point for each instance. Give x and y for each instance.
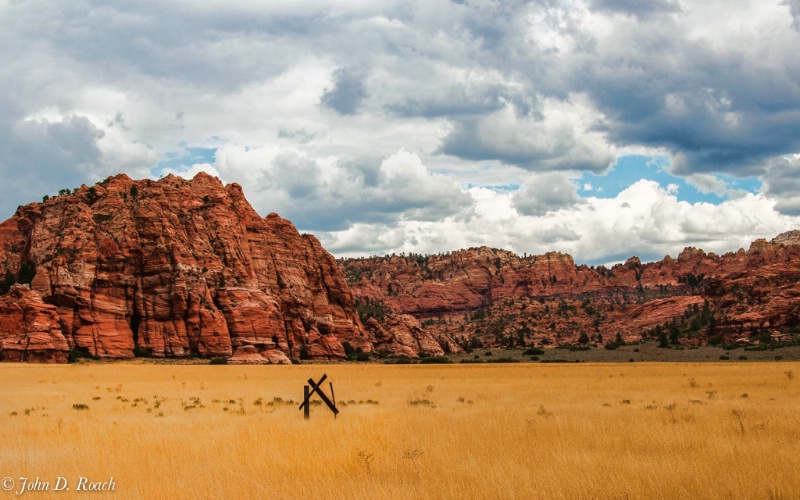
(435, 360)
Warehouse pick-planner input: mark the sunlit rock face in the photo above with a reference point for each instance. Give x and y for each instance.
(501, 299)
(170, 268)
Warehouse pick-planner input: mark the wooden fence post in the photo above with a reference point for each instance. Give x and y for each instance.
(307, 406)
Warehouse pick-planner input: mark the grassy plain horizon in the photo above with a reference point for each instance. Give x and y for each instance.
(665, 430)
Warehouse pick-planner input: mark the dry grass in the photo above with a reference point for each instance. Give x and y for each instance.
(511, 431)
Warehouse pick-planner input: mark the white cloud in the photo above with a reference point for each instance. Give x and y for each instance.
(328, 193)
(707, 183)
(544, 193)
(387, 124)
(644, 220)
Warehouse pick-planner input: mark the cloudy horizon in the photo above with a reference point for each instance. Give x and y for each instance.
(600, 128)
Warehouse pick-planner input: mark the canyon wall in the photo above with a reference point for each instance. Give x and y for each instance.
(485, 296)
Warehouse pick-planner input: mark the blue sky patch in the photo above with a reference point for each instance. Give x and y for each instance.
(183, 160)
(630, 169)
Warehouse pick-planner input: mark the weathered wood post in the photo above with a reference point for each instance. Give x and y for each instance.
(333, 397)
(307, 407)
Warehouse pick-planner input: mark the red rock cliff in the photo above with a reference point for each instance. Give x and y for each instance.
(174, 267)
(497, 298)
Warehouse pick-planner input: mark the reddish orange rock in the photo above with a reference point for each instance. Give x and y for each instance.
(484, 296)
(29, 328)
(175, 267)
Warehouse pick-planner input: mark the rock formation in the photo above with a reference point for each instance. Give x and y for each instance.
(484, 296)
(168, 268)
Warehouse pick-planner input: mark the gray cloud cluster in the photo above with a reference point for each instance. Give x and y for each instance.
(640, 10)
(357, 118)
(347, 93)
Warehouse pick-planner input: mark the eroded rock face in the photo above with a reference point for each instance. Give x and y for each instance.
(402, 335)
(177, 267)
(29, 328)
(502, 299)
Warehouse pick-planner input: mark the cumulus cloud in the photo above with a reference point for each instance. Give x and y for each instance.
(38, 154)
(782, 183)
(644, 220)
(423, 126)
(323, 195)
(794, 9)
(670, 91)
(347, 93)
(636, 8)
(559, 139)
(706, 183)
(545, 193)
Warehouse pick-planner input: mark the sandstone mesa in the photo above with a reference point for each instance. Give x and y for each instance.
(173, 268)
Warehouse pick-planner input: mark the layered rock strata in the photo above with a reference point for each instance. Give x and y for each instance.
(169, 268)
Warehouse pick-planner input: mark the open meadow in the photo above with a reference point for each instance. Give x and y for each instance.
(633, 430)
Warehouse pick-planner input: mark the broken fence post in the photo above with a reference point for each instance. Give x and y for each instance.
(316, 387)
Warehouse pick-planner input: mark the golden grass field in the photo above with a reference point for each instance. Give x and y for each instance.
(641, 430)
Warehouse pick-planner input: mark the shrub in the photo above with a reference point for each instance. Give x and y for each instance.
(401, 360)
(435, 360)
(91, 195)
(502, 360)
(79, 352)
(142, 352)
(80, 406)
(349, 350)
(219, 361)
(363, 356)
(534, 351)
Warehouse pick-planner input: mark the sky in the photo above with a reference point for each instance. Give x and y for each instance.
(599, 128)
